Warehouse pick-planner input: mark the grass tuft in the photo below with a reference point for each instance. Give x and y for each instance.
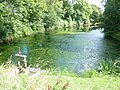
(109, 66)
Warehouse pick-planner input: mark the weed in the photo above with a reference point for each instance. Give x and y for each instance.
(109, 66)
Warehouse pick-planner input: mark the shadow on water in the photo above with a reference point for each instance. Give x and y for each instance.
(75, 49)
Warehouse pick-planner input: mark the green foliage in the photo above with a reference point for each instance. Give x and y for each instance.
(96, 15)
(23, 17)
(50, 19)
(82, 15)
(109, 66)
(112, 14)
(3, 30)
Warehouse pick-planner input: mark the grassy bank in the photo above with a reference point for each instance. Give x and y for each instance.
(11, 80)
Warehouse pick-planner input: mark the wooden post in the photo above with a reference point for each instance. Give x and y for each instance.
(19, 58)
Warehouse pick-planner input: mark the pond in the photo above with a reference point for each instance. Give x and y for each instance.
(76, 50)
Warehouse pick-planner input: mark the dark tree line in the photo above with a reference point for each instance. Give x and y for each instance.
(112, 16)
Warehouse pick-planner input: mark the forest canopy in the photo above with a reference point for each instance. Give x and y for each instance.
(23, 17)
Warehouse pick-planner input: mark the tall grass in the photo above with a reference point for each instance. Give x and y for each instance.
(109, 66)
(55, 79)
(45, 81)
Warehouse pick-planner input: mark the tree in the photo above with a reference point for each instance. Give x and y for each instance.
(96, 14)
(3, 30)
(112, 16)
(83, 11)
(50, 15)
(23, 17)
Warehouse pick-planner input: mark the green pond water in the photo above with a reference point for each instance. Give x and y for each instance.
(74, 49)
